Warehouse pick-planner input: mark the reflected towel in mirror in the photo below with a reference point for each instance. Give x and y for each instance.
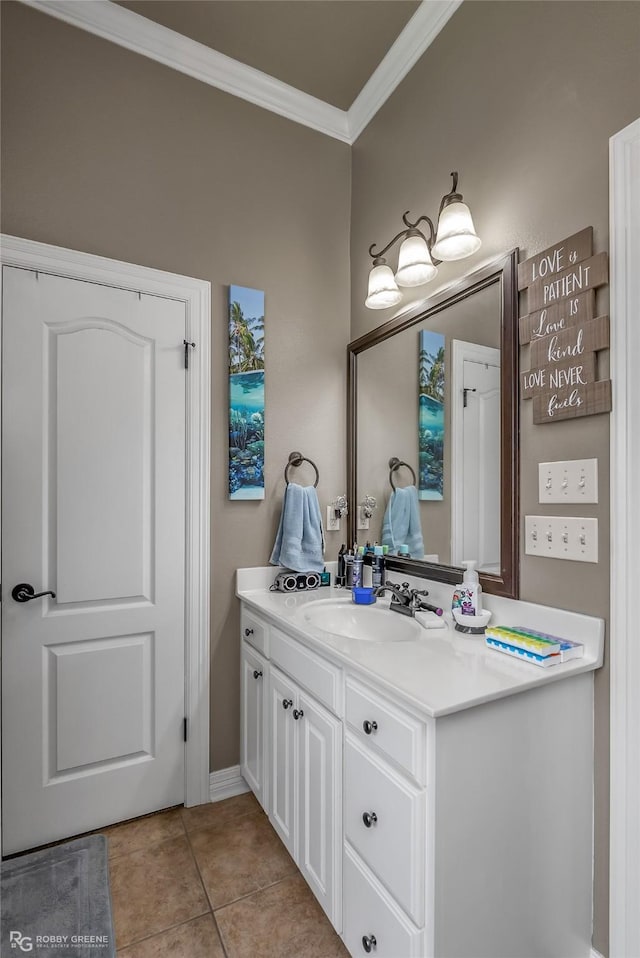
(401, 524)
(299, 542)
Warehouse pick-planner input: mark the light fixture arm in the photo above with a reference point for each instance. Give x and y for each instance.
(452, 196)
(432, 231)
(395, 239)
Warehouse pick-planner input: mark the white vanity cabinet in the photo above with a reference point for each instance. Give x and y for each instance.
(465, 834)
(385, 841)
(292, 752)
(254, 678)
(254, 681)
(305, 774)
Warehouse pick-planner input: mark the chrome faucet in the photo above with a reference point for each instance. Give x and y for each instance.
(405, 600)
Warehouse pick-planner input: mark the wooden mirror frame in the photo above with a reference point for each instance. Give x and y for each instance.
(504, 272)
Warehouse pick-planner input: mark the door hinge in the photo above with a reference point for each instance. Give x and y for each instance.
(186, 352)
(184, 729)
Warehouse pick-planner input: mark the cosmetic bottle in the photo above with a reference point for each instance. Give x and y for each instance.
(348, 569)
(377, 567)
(467, 596)
(358, 564)
(340, 574)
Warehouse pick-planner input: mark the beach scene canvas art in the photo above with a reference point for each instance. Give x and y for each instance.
(246, 393)
(431, 415)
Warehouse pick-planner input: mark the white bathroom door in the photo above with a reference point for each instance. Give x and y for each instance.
(481, 482)
(93, 495)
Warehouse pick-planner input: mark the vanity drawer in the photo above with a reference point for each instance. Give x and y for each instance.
(398, 735)
(315, 675)
(255, 632)
(369, 912)
(384, 820)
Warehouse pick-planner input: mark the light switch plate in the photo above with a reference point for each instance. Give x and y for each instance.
(363, 521)
(573, 480)
(333, 523)
(562, 537)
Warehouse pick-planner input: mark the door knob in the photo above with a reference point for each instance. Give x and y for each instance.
(256, 674)
(369, 942)
(287, 703)
(369, 727)
(23, 592)
(297, 713)
(369, 818)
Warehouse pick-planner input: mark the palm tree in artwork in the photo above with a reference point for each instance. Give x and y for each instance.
(431, 374)
(257, 332)
(241, 342)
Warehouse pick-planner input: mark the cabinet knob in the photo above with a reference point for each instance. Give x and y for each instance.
(257, 674)
(248, 632)
(369, 818)
(287, 703)
(297, 713)
(369, 943)
(369, 727)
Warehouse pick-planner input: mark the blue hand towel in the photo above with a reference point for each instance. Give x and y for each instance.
(299, 542)
(401, 524)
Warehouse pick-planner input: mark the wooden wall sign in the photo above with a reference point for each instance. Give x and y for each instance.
(562, 330)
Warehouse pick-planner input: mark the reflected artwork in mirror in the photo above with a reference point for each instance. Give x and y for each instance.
(453, 361)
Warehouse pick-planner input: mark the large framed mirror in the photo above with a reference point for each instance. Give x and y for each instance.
(432, 432)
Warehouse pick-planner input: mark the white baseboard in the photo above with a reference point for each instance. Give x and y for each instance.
(227, 782)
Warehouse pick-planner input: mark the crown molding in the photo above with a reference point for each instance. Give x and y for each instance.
(419, 33)
(134, 32)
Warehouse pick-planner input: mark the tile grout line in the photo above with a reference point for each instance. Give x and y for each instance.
(145, 848)
(204, 888)
(163, 931)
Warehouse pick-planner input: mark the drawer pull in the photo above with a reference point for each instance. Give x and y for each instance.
(257, 674)
(368, 943)
(369, 818)
(287, 703)
(369, 727)
(297, 713)
(248, 632)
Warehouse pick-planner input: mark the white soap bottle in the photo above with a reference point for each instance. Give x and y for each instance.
(468, 595)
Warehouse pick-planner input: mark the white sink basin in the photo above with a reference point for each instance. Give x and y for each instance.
(368, 623)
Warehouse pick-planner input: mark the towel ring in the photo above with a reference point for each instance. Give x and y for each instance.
(296, 459)
(394, 464)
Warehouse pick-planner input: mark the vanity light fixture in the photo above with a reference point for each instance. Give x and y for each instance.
(419, 256)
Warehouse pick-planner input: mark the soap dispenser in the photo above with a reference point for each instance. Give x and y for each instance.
(468, 595)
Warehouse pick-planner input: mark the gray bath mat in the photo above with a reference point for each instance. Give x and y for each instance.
(56, 903)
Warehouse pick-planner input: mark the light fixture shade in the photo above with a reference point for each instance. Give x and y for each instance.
(414, 262)
(383, 291)
(456, 234)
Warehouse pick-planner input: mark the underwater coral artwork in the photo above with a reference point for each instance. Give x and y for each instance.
(431, 415)
(246, 393)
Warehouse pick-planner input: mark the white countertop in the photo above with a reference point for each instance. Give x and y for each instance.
(443, 671)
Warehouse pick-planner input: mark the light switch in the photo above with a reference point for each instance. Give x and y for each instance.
(573, 480)
(562, 537)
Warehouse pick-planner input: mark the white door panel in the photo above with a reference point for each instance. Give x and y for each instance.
(481, 443)
(94, 509)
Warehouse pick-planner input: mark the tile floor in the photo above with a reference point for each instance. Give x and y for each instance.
(213, 881)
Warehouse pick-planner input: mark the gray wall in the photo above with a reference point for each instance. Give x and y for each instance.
(521, 98)
(107, 152)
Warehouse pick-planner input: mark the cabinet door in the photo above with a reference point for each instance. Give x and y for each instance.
(320, 821)
(283, 698)
(255, 673)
